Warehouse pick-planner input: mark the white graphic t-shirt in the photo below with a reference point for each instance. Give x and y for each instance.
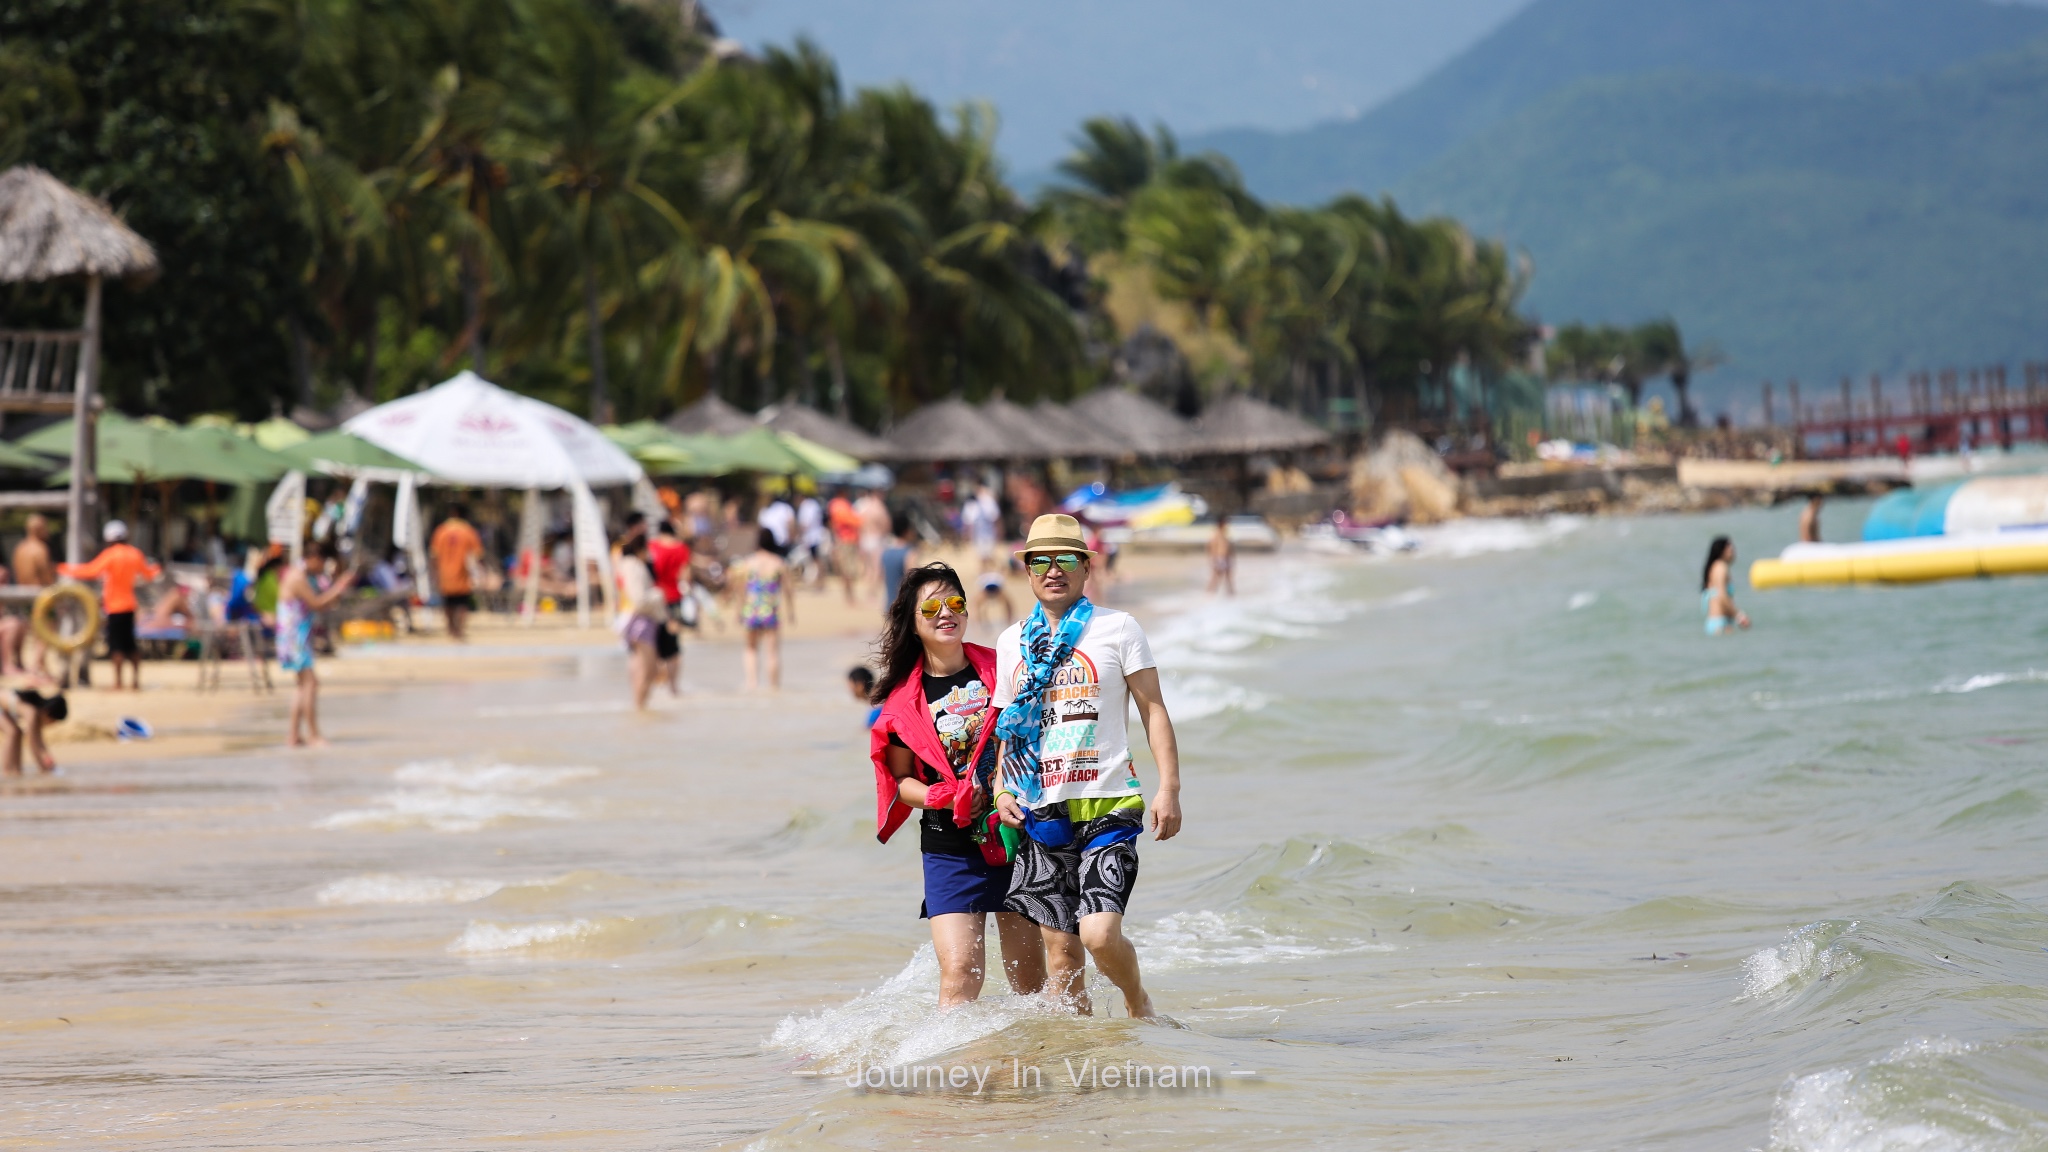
(1086, 751)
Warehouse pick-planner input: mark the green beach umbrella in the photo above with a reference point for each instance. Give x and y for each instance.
(139, 451)
(821, 459)
(276, 433)
(229, 452)
(664, 452)
(317, 453)
(14, 456)
(761, 450)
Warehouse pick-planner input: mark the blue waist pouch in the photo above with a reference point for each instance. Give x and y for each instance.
(1055, 831)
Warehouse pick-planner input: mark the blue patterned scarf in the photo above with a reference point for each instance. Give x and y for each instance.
(1022, 724)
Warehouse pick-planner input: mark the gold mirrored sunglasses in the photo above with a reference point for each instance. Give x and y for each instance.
(929, 609)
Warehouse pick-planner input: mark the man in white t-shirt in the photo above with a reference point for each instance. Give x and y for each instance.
(778, 517)
(1079, 861)
(980, 518)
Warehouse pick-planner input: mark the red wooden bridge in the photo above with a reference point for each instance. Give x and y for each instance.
(1944, 412)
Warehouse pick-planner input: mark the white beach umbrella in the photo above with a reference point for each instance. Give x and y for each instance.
(470, 431)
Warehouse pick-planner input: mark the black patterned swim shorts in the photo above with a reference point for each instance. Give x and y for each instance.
(1055, 887)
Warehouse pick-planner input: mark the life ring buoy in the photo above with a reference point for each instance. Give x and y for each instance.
(43, 621)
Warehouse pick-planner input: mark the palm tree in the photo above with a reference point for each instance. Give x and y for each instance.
(585, 125)
(1661, 350)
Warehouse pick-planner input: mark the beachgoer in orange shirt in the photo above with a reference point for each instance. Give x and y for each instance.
(117, 568)
(846, 523)
(455, 545)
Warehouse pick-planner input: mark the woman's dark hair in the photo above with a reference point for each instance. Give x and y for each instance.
(765, 540)
(633, 546)
(1715, 551)
(900, 652)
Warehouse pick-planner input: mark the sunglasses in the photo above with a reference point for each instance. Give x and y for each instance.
(929, 609)
(1040, 565)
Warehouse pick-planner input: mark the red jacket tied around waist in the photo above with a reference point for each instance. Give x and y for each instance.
(906, 716)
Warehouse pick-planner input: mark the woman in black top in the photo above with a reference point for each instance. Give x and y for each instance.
(925, 642)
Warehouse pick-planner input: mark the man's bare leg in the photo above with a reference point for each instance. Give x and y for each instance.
(36, 748)
(1023, 953)
(1117, 959)
(10, 745)
(13, 629)
(1066, 971)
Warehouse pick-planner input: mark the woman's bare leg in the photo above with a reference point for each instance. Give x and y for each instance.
(751, 658)
(961, 943)
(642, 668)
(774, 656)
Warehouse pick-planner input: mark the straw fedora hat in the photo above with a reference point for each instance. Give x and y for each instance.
(1054, 532)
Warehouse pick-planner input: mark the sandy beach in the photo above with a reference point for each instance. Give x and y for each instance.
(239, 716)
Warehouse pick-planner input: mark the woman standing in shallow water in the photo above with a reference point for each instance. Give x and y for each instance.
(1714, 597)
(933, 750)
(768, 594)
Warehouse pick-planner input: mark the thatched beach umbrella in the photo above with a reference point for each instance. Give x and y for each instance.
(1143, 427)
(1239, 425)
(1033, 438)
(950, 430)
(1081, 438)
(711, 417)
(49, 231)
(818, 428)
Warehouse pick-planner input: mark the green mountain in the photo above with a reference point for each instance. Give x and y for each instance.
(1810, 233)
(1552, 44)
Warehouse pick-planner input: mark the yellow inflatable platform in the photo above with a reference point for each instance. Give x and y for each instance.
(1912, 560)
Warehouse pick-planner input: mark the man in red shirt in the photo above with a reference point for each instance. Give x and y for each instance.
(117, 568)
(669, 557)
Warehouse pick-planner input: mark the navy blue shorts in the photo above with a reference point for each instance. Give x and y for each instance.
(962, 884)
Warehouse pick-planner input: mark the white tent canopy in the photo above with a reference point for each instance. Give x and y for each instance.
(470, 431)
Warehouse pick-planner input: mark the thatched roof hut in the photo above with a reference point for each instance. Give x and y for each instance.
(1079, 438)
(818, 428)
(1239, 425)
(952, 430)
(1030, 437)
(49, 229)
(1144, 428)
(711, 417)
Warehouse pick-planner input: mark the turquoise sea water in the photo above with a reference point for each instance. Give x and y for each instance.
(1486, 848)
(1497, 850)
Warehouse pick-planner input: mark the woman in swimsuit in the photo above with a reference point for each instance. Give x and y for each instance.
(646, 613)
(1714, 598)
(768, 593)
(933, 749)
(298, 602)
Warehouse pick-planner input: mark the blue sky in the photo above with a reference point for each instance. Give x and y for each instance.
(1195, 64)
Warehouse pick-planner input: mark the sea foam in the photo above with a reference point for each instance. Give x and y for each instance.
(899, 1022)
(1904, 1101)
(445, 796)
(1206, 939)
(483, 938)
(1809, 953)
(1461, 538)
(384, 888)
